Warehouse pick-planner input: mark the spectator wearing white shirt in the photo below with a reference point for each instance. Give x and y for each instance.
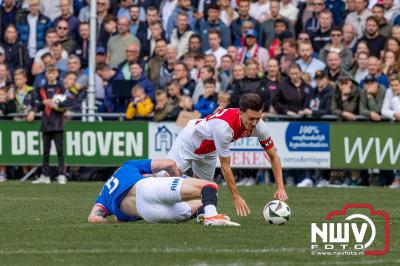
(359, 17)
(50, 8)
(289, 10)
(391, 9)
(307, 63)
(167, 8)
(216, 49)
(259, 10)
(227, 13)
(391, 103)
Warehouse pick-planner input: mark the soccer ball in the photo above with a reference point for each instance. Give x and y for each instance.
(276, 212)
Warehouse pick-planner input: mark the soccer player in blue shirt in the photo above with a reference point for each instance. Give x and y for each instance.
(133, 193)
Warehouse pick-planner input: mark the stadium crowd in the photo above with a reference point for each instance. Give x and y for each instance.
(184, 59)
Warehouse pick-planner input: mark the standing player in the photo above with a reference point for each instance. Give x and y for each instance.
(130, 195)
(200, 143)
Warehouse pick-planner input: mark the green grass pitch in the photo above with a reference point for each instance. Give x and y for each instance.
(46, 225)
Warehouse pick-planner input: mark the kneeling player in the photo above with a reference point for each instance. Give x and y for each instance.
(130, 195)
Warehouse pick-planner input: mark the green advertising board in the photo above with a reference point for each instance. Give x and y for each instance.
(91, 144)
(365, 145)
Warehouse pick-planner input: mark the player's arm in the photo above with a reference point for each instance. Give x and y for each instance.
(166, 165)
(277, 170)
(222, 135)
(97, 215)
(267, 143)
(240, 204)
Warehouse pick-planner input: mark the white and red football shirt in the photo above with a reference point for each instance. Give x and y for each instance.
(217, 131)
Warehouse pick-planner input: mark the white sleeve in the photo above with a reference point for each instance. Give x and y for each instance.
(387, 111)
(262, 133)
(222, 135)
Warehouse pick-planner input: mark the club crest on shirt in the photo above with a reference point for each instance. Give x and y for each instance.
(245, 133)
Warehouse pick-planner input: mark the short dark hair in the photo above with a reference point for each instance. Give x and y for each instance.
(210, 81)
(251, 101)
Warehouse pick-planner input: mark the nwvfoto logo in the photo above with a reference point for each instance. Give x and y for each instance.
(163, 139)
(361, 151)
(338, 236)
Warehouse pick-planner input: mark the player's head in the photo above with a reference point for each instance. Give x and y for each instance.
(251, 108)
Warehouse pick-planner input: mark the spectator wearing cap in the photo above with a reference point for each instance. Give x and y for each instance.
(385, 26)
(185, 7)
(66, 14)
(359, 17)
(391, 102)
(375, 41)
(181, 34)
(213, 22)
(371, 99)
(345, 100)
(318, 101)
(214, 41)
(16, 53)
(291, 95)
(67, 42)
(322, 36)
(336, 45)
(307, 62)
(267, 34)
(251, 83)
(374, 70)
(8, 14)
(117, 45)
(32, 28)
(236, 25)
(252, 50)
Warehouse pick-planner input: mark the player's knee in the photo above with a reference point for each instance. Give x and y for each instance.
(213, 185)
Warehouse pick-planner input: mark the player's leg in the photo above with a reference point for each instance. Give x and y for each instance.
(207, 191)
(205, 168)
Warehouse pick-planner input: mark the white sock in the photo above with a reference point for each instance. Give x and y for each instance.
(210, 210)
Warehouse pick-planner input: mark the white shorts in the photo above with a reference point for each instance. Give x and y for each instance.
(158, 200)
(203, 165)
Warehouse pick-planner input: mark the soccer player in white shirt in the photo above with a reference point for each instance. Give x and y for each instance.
(202, 141)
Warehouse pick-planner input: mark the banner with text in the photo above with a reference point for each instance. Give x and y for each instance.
(365, 145)
(300, 145)
(91, 144)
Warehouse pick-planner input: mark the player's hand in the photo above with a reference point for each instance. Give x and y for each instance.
(241, 206)
(280, 194)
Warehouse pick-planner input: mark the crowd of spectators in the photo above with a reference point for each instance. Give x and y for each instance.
(183, 59)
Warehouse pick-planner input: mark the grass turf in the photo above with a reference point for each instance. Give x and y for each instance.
(46, 225)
